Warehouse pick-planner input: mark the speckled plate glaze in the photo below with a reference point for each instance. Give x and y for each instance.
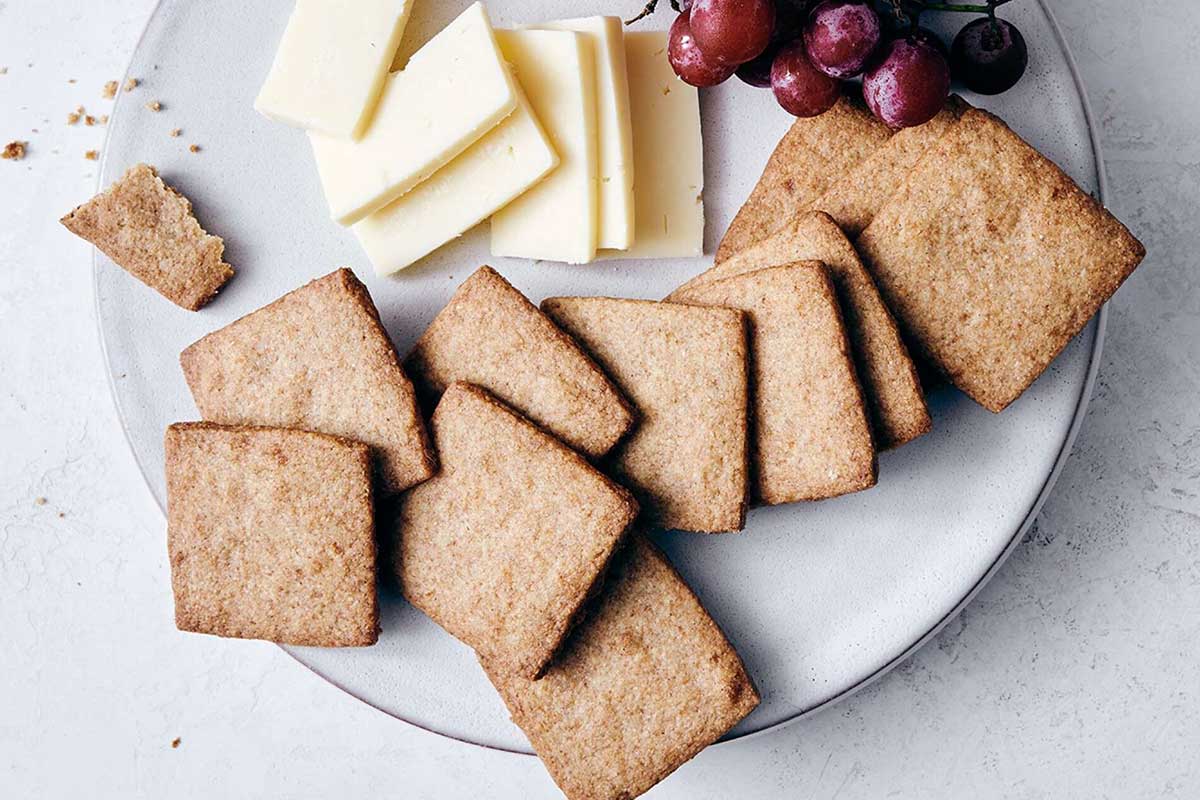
(821, 598)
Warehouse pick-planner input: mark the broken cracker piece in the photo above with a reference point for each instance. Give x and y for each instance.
(148, 229)
(13, 151)
(271, 535)
(332, 368)
(503, 546)
(491, 336)
(646, 682)
(110, 90)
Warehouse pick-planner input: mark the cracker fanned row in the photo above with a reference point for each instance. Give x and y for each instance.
(992, 259)
(147, 228)
(890, 384)
(811, 156)
(271, 534)
(811, 436)
(684, 368)
(504, 544)
(646, 682)
(491, 336)
(318, 359)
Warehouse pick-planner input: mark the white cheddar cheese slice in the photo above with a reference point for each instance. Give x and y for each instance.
(607, 36)
(331, 65)
(454, 90)
(557, 219)
(668, 154)
(513, 156)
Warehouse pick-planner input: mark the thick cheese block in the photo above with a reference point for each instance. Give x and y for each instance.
(557, 219)
(454, 90)
(615, 134)
(331, 66)
(513, 156)
(668, 154)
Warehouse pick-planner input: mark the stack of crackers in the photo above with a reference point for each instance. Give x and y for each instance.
(525, 451)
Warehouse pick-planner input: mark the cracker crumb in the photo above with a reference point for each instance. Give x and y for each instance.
(92, 155)
(3, 70)
(62, 514)
(131, 84)
(70, 80)
(110, 90)
(89, 120)
(13, 151)
(195, 148)
(175, 743)
(72, 118)
(104, 119)
(41, 501)
(176, 133)
(154, 105)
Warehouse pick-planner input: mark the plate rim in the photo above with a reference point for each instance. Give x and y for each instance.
(1100, 321)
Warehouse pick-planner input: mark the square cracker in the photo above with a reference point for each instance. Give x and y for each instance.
(646, 682)
(813, 154)
(856, 197)
(504, 544)
(147, 228)
(889, 378)
(684, 368)
(992, 259)
(271, 534)
(317, 358)
(491, 336)
(811, 436)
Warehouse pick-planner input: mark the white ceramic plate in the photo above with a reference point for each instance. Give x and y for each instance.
(819, 598)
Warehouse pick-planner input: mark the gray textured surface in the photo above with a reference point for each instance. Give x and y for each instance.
(1076, 673)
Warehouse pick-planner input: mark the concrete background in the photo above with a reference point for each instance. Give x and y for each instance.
(1076, 673)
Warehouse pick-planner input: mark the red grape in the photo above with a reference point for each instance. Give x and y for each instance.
(907, 83)
(757, 71)
(840, 36)
(732, 31)
(687, 60)
(923, 34)
(989, 55)
(801, 88)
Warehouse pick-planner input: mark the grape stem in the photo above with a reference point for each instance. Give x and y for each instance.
(649, 8)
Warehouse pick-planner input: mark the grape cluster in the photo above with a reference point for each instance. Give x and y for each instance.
(803, 50)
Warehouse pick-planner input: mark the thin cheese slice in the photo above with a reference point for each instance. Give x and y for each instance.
(454, 90)
(330, 65)
(557, 219)
(615, 132)
(668, 154)
(515, 155)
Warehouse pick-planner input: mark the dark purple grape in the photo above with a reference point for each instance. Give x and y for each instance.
(687, 60)
(801, 88)
(789, 20)
(907, 83)
(732, 31)
(841, 35)
(989, 55)
(757, 71)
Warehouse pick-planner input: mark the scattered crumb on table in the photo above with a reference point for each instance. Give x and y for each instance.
(41, 501)
(131, 84)
(195, 148)
(73, 118)
(175, 743)
(13, 151)
(177, 132)
(70, 80)
(110, 90)
(89, 120)
(154, 105)
(104, 119)
(92, 155)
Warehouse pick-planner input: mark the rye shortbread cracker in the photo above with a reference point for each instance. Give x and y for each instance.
(855, 198)
(491, 336)
(147, 228)
(811, 438)
(992, 259)
(684, 368)
(889, 378)
(504, 544)
(271, 534)
(319, 359)
(810, 157)
(647, 681)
